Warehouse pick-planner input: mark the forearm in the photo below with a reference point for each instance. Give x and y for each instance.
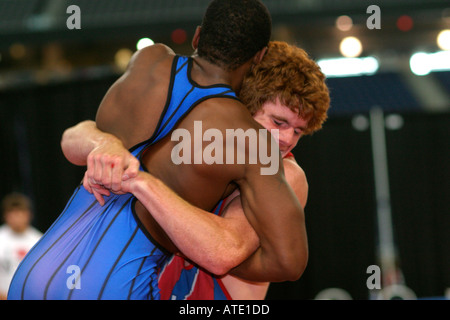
(214, 243)
(280, 225)
(265, 264)
(78, 141)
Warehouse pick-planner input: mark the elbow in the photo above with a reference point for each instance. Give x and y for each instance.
(220, 267)
(65, 143)
(297, 272)
(219, 270)
(68, 149)
(293, 267)
(64, 138)
(70, 145)
(225, 260)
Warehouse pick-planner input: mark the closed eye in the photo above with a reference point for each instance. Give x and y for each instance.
(278, 123)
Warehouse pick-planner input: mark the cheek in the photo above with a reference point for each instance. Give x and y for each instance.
(266, 123)
(275, 134)
(295, 141)
(269, 125)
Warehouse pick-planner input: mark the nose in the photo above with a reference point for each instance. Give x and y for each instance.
(286, 136)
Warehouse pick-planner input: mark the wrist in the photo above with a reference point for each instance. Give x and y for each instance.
(142, 184)
(107, 139)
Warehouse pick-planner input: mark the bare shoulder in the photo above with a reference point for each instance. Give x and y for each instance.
(150, 55)
(296, 178)
(146, 79)
(158, 50)
(292, 168)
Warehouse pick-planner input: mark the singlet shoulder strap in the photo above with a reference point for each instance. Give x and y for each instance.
(184, 94)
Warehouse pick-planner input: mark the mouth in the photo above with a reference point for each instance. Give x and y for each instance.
(284, 147)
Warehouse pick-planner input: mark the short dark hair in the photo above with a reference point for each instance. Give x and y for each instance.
(16, 201)
(233, 31)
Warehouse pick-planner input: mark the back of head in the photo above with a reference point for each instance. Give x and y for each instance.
(233, 31)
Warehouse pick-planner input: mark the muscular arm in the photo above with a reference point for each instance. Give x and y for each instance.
(283, 253)
(269, 203)
(243, 289)
(76, 147)
(215, 243)
(107, 159)
(271, 206)
(120, 117)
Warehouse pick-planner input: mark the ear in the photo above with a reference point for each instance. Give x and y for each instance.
(259, 55)
(196, 38)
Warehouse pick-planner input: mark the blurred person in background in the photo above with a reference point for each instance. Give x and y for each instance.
(17, 236)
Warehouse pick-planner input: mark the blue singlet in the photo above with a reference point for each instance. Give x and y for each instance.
(95, 252)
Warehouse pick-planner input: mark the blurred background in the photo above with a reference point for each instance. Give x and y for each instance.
(378, 171)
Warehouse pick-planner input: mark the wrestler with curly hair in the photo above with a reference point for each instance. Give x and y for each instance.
(287, 92)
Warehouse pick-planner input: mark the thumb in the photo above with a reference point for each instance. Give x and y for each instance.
(132, 170)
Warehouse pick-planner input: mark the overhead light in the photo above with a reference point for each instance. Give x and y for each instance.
(350, 47)
(422, 63)
(144, 42)
(443, 39)
(344, 23)
(405, 23)
(179, 36)
(122, 58)
(345, 67)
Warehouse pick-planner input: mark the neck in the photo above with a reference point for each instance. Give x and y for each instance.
(207, 73)
(18, 230)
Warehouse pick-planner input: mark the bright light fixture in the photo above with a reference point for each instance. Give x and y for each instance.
(344, 23)
(350, 47)
(144, 42)
(443, 39)
(422, 63)
(345, 67)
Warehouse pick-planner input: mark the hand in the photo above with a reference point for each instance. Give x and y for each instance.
(96, 189)
(107, 166)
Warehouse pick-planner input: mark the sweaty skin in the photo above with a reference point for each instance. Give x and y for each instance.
(279, 224)
(287, 127)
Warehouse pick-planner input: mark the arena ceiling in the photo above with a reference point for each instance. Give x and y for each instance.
(107, 25)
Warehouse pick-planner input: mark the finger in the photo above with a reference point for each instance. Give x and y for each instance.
(106, 173)
(99, 193)
(98, 169)
(99, 198)
(89, 175)
(116, 175)
(86, 184)
(101, 190)
(132, 170)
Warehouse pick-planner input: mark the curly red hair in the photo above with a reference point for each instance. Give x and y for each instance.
(287, 73)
